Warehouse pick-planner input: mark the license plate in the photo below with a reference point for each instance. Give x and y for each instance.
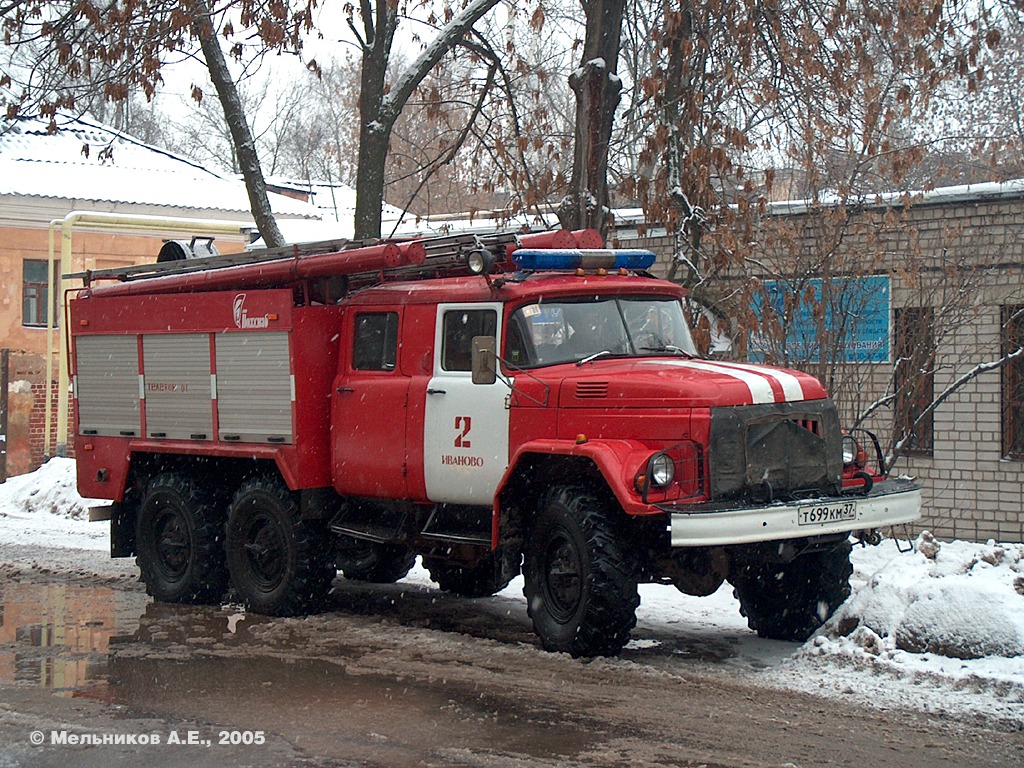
(821, 514)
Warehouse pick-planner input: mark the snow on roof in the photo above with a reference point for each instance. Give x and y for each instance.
(308, 231)
(335, 201)
(88, 161)
(480, 222)
(961, 193)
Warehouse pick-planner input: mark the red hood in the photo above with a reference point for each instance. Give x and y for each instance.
(684, 383)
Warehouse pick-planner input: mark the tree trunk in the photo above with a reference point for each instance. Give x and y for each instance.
(378, 111)
(241, 136)
(597, 89)
(678, 115)
(373, 153)
(378, 34)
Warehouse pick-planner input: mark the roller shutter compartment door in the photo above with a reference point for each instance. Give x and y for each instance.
(177, 386)
(255, 387)
(107, 385)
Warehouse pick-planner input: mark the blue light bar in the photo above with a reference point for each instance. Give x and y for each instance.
(634, 258)
(572, 258)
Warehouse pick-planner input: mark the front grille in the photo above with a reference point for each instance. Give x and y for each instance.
(777, 451)
(809, 424)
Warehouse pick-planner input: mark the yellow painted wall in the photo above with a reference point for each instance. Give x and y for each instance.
(90, 250)
(27, 371)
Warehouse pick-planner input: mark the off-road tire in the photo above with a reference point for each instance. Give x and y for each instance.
(179, 539)
(490, 575)
(369, 561)
(581, 574)
(280, 564)
(790, 601)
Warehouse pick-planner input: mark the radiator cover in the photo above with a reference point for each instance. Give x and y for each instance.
(776, 451)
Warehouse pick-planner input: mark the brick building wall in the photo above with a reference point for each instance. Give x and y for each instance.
(971, 490)
(26, 419)
(37, 425)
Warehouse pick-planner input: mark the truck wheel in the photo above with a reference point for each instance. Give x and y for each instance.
(490, 575)
(790, 601)
(279, 563)
(179, 539)
(580, 575)
(368, 561)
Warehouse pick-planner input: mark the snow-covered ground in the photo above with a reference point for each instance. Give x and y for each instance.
(43, 508)
(940, 629)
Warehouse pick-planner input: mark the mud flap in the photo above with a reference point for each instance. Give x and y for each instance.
(122, 531)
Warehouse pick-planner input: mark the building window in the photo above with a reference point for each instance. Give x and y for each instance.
(34, 292)
(914, 385)
(1013, 383)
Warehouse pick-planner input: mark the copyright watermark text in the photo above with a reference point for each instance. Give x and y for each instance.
(169, 738)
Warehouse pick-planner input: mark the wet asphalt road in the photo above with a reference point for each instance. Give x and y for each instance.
(395, 677)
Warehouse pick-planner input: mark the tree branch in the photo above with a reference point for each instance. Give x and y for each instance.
(449, 155)
(948, 392)
(462, 22)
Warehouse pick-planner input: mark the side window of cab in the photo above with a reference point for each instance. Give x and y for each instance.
(375, 346)
(460, 326)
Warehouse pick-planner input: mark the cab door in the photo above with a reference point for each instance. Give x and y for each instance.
(465, 440)
(368, 412)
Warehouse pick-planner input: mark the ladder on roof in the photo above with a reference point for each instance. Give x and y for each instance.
(445, 252)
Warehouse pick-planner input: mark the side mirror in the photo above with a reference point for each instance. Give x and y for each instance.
(485, 359)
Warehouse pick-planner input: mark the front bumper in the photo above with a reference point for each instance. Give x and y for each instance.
(890, 502)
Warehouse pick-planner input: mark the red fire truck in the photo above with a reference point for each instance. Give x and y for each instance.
(260, 422)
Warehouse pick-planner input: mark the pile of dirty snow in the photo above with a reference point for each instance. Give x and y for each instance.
(44, 508)
(51, 489)
(940, 629)
(954, 599)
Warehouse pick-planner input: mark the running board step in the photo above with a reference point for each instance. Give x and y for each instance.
(461, 537)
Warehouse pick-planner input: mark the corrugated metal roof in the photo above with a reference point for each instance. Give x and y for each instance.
(88, 161)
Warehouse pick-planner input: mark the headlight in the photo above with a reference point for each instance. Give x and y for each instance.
(850, 450)
(663, 470)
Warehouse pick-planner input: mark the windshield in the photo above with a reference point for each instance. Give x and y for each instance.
(546, 333)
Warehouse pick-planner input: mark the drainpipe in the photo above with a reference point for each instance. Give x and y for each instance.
(99, 220)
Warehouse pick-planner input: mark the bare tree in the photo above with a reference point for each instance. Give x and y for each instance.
(66, 50)
(597, 88)
(241, 135)
(380, 105)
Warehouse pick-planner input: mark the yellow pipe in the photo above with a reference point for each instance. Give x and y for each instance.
(99, 220)
(50, 287)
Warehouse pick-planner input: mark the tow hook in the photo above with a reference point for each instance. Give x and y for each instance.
(869, 483)
(872, 537)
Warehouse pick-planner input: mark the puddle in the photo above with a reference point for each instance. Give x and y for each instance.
(326, 709)
(66, 639)
(58, 636)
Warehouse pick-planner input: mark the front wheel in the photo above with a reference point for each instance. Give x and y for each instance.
(580, 574)
(790, 601)
(279, 563)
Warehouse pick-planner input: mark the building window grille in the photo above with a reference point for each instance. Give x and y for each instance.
(914, 385)
(1013, 383)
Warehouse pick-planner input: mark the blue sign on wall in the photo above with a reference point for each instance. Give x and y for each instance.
(854, 314)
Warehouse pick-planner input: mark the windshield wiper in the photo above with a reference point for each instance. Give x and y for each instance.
(669, 348)
(594, 356)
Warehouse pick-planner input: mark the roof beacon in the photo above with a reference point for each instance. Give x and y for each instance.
(570, 259)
